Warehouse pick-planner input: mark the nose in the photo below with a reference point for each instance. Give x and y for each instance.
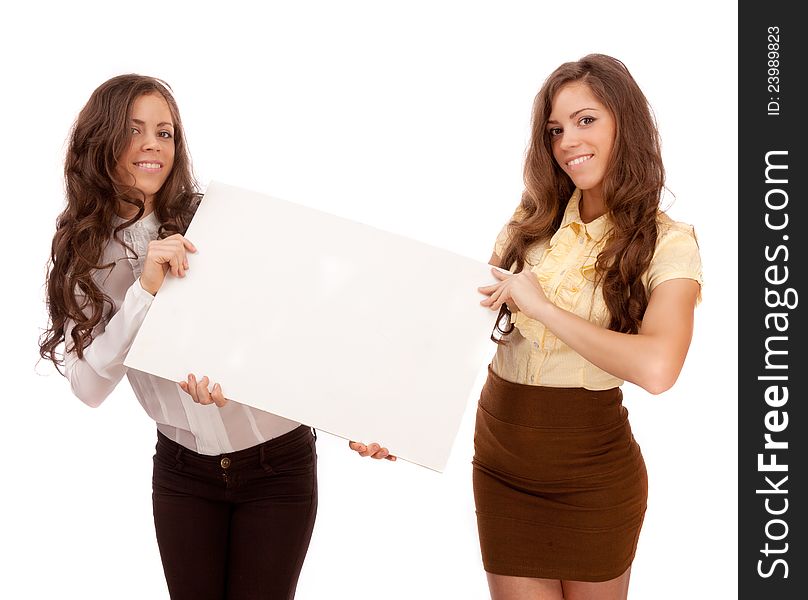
(149, 142)
(569, 139)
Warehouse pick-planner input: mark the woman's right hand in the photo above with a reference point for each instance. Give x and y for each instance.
(164, 255)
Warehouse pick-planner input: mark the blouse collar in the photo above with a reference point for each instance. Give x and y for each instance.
(595, 229)
(149, 222)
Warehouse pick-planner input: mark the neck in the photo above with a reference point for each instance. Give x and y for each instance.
(592, 206)
(127, 211)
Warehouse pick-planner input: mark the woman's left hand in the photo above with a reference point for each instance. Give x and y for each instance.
(198, 390)
(521, 291)
(374, 450)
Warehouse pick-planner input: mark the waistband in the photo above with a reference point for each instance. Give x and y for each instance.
(248, 455)
(541, 406)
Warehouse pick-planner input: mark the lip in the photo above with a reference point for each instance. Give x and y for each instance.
(589, 156)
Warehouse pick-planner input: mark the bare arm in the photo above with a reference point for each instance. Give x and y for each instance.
(654, 356)
(651, 359)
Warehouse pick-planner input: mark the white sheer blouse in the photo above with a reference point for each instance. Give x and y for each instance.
(205, 429)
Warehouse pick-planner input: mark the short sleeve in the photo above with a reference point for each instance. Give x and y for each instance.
(676, 256)
(502, 240)
(505, 233)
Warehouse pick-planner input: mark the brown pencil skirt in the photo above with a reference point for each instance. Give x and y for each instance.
(559, 482)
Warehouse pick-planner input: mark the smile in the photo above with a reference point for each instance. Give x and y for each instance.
(149, 166)
(579, 160)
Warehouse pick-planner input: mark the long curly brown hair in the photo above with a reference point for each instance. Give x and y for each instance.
(99, 137)
(632, 186)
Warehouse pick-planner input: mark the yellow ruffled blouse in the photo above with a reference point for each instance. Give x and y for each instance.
(565, 267)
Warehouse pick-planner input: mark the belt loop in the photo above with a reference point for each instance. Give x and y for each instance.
(314, 431)
(267, 467)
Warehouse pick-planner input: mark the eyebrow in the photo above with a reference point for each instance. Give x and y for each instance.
(139, 122)
(572, 116)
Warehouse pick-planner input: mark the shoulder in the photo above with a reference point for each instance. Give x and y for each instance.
(674, 239)
(668, 229)
(676, 254)
(506, 233)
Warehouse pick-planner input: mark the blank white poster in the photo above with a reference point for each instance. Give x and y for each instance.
(362, 333)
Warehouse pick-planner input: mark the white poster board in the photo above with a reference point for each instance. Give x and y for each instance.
(362, 333)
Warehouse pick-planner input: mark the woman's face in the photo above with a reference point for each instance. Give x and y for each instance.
(147, 162)
(582, 133)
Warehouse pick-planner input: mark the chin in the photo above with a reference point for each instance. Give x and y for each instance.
(584, 185)
(149, 190)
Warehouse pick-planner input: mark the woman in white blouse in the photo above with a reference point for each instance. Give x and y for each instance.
(235, 488)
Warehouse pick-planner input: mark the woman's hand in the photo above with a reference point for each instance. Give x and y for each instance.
(198, 390)
(162, 256)
(521, 291)
(374, 450)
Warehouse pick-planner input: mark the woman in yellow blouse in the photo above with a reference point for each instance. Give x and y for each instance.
(603, 290)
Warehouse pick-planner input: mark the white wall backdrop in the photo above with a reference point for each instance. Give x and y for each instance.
(412, 117)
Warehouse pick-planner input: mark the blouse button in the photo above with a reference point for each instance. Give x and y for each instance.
(225, 462)
(535, 344)
(531, 379)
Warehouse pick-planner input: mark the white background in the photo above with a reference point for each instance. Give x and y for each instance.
(412, 117)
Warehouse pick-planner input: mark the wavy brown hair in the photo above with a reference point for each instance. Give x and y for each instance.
(99, 137)
(632, 186)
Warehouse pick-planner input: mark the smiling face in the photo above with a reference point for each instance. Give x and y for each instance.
(147, 162)
(582, 132)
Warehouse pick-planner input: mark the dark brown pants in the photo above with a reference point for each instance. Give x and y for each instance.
(235, 526)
